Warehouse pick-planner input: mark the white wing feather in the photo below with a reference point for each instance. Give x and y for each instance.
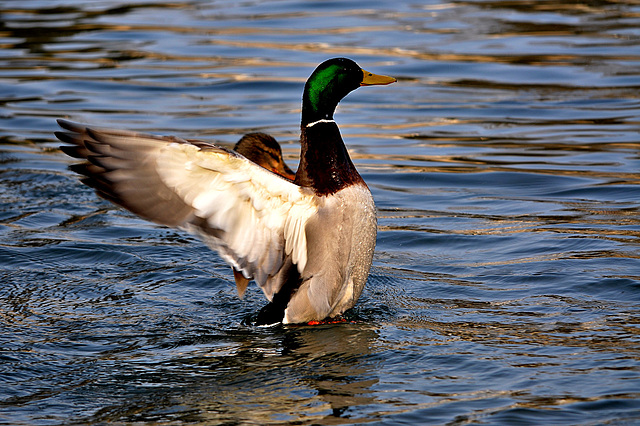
(254, 218)
(262, 216)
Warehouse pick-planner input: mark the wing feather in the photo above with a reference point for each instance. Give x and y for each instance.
(252, 217)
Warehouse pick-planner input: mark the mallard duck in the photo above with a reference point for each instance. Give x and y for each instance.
(308, 244)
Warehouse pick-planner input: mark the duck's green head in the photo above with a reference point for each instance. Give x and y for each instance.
(331, 81)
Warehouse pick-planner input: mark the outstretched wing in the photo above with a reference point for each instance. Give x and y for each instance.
(254, 218)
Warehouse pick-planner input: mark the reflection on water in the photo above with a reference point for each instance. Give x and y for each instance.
(504, 165)
(240, 376)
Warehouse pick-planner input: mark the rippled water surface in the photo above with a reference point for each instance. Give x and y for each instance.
(504, 164)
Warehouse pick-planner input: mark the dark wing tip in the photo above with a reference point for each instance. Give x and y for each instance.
(70, 125)
(74, 151)
(67, 137)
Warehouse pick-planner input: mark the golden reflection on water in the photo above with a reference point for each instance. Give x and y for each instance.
(504, 165)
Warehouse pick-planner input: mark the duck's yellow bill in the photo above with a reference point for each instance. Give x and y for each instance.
(371, 79)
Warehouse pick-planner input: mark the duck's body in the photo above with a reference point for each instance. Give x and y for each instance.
(308, 243)
(341, 238)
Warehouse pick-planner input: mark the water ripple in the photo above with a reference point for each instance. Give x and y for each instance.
(505, 169)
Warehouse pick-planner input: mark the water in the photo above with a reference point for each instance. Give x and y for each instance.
(504, 164)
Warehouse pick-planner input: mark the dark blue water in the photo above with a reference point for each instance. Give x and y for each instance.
(505, 167)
